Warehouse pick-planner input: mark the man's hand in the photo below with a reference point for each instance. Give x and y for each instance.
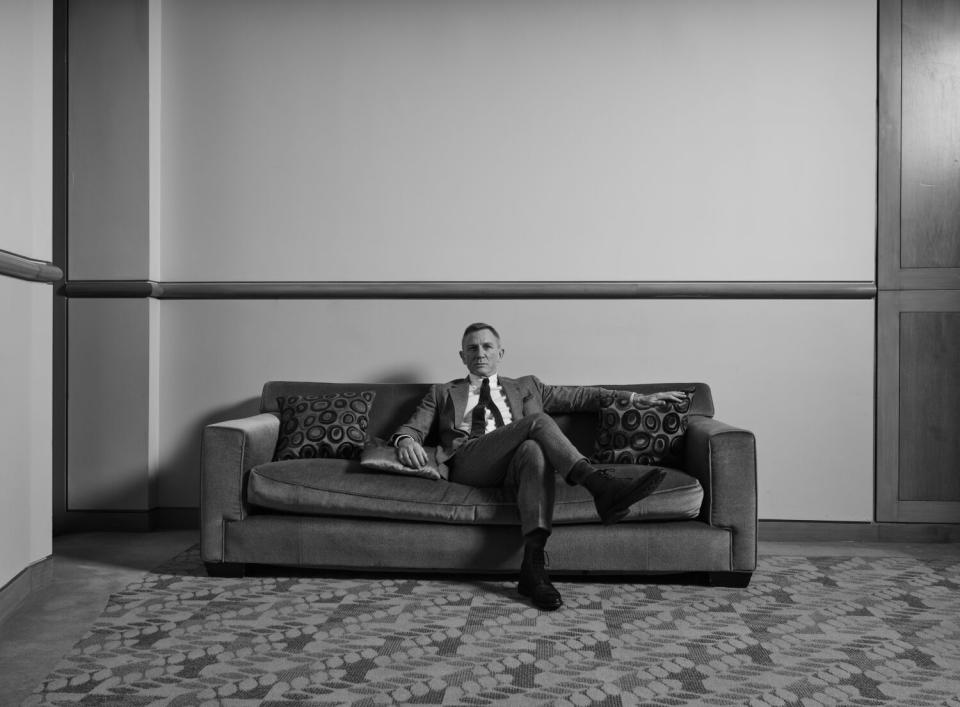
(411, 453)
(670, 396)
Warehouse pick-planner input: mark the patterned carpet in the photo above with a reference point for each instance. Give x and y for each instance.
(807, 631)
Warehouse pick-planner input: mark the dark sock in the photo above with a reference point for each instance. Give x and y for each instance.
(535, 540)
(579, 471)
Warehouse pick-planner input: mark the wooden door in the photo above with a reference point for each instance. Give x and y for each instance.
(918, 221)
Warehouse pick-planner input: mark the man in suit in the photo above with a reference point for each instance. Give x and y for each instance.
(497, 431)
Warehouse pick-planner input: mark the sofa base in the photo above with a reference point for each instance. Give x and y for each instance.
(226, 569)
(735, 580)
(363, 544)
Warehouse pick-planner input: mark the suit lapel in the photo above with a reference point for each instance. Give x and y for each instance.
(459, 392)
(514, 396)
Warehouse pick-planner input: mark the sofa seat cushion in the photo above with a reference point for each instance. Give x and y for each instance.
(338, 487)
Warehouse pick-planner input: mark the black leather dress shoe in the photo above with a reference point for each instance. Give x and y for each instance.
(535, 583)
(613, 497)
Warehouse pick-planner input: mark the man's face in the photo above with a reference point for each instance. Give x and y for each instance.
(481, 353)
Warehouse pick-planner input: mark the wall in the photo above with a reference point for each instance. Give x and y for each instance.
(390, 141)
(653, 140)
(796, 373)
(25, 307)
(112, 397)
(109, 140)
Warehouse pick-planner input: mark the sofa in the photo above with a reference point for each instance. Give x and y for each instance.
(259, 507)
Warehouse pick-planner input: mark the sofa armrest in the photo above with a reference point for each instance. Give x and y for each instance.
(230, 449)
(723, 459)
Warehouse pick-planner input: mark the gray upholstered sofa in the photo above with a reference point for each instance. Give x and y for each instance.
(336, 514)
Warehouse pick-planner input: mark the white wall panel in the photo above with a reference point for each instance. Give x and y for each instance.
(25, 425)
(610, 140)
(26, 57)
(797, 373)
(26, 60)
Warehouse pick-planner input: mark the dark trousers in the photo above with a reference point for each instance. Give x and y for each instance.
(524, 456)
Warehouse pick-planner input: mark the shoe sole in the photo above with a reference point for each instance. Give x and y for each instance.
(649, 484)
(527, 592)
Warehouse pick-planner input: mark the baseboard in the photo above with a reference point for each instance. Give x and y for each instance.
(772, 530)
(32, 578)
(820, 531)
(176, 518)
(127, 521)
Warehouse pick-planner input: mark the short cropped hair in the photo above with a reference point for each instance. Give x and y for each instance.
(479, 326)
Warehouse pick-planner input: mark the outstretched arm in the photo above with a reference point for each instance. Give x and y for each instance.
(568, 398)
(564, 398)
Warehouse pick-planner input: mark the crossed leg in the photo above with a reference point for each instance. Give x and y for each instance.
(532, 478)
(525, 455)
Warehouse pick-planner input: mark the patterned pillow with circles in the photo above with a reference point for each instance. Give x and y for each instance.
(323, 425)
(630, 431)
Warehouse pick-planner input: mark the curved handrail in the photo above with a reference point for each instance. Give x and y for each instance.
(23, 268)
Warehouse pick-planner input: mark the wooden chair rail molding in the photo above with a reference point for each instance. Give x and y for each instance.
(23, 268)
(471, 290)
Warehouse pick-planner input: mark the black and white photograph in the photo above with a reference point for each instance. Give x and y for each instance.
(480, 352)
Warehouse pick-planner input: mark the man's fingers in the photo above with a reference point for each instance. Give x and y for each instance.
(420, 455)
(412, 455)
(673, 396)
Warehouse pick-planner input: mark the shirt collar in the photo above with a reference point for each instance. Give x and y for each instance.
(478, 380)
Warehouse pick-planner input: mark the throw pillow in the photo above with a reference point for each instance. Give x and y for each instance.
(382, 456)
(323, 425)
(630, 431)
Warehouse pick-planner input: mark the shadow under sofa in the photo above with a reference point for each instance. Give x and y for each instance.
(336, 514)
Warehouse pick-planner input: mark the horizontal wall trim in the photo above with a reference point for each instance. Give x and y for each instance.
(24, 268)
(529, 289)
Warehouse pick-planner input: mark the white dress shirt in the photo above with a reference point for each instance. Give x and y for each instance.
(473, 397)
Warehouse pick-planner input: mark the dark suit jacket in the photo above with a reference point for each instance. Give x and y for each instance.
(446, 405)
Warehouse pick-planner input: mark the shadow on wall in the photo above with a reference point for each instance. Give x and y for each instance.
(124, 500)
(110, 510)
(409, 374)
(180, 465)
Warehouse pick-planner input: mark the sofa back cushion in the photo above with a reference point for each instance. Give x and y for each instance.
(395, 403)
